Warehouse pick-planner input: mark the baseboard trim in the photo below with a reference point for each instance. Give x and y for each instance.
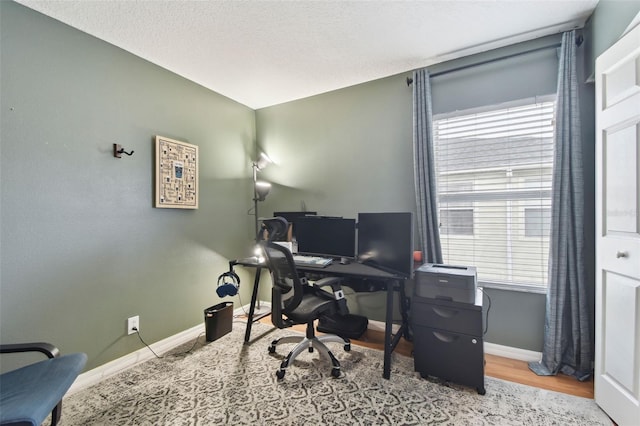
(511, 352)
(96, 375)
(380, 326)
(244, 310)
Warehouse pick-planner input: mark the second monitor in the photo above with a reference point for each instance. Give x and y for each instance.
(325, 236)
(385, 240)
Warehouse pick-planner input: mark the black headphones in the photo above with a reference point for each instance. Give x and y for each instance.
(228, 284)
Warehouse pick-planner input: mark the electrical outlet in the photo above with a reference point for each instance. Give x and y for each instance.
(133, 323)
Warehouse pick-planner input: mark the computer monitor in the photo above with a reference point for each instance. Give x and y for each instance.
(385, 240)
(291, 217)
(326, 236)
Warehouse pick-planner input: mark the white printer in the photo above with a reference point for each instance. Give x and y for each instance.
(446, 282)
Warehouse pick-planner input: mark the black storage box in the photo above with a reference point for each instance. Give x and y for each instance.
(218, 320)
(348, 326)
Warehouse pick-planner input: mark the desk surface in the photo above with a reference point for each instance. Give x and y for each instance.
(335, 268)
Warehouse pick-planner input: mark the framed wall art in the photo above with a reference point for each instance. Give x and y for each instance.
(177, 183)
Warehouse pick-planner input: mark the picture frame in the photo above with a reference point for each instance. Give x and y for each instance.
(177, 183)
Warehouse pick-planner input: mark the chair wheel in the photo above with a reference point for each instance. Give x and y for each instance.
(272, 349)
(347, 347)
(310, 349)
(280, 374)
(335, 372)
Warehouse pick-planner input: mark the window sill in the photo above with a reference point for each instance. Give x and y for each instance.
(522, 288)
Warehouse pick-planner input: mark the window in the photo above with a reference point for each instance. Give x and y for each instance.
(456, 221)
(456, 218)
(494, 168)
(537, 222)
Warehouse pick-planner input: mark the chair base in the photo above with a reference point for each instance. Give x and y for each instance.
(309, 343)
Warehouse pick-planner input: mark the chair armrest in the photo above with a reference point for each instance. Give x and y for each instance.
(46, 348)
(336, 288)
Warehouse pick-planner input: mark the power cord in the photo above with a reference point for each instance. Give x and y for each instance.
(145, 343)
(486, 327)
(241, 307)
(160, 357)
(191, 348)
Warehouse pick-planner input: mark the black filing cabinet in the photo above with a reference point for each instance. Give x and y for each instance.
(447, 340)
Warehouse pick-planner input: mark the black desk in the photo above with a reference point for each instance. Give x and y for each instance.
(390, 282)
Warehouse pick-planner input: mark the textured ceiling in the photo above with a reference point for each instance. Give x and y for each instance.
(262, 53)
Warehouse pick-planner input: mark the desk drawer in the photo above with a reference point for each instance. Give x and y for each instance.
(453, 319)
(453, 357)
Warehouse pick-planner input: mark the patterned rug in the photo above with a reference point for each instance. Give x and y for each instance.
(227, 382)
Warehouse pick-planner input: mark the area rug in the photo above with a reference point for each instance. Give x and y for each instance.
(228, 382)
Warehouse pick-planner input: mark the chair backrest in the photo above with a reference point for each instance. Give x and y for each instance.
(274, 228)
(287, 290)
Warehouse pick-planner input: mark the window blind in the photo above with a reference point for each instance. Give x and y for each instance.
(494, 170)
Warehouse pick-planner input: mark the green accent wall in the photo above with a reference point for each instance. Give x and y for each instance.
(342, 152)
(83, 248)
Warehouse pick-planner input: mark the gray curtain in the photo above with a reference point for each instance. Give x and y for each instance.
(424, 169)
(567, 341)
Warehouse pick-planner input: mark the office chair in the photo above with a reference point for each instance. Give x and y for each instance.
(294, 301)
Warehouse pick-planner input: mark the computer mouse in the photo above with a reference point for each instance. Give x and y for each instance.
(344, 261)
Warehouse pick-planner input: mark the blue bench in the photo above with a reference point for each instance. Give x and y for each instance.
(30, 393)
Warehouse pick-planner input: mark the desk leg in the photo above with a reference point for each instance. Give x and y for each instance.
(252, 306)
(404, 311)
(386, 372)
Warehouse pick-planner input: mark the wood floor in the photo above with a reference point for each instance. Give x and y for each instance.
(498, 367)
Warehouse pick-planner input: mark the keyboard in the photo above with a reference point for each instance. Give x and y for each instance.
(316, 261)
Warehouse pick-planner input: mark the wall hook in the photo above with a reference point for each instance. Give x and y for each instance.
(118, 150)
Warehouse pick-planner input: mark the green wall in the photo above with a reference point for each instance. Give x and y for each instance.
(83, 248)
(342, 152)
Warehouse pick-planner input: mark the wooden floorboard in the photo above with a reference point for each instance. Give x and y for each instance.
(496, 366)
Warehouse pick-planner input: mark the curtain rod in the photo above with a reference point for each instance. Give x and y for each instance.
(579, 40)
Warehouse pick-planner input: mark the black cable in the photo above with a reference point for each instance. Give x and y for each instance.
(241, 306)
(191, 348)
(177, 354)
(486, 327)
(145, 343)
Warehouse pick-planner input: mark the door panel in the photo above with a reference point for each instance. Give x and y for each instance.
(617, 357)
(620, 340)
(621, 180)
(622, 81)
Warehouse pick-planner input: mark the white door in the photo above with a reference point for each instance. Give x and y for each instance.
(617, 357)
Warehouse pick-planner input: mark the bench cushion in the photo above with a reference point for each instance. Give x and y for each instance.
(29, 394)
